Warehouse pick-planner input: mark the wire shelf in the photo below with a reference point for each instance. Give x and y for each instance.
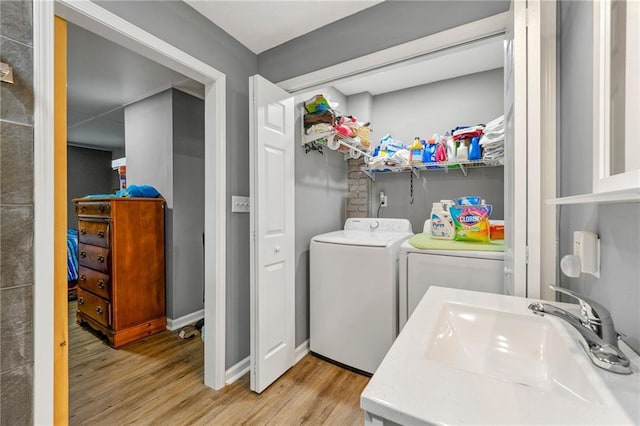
(417, 168)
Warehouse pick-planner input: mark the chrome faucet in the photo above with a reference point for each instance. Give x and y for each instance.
(596, 327)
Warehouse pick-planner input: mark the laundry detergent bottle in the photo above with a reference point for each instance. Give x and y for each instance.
(441, 223)
(416, 152)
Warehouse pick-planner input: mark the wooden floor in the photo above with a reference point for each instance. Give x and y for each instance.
(159, 381)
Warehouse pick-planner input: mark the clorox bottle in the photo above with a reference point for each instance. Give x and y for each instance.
(441, 223)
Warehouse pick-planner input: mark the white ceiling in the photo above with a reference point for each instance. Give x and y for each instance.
(103, 77)
(482, 55)
(263, 24)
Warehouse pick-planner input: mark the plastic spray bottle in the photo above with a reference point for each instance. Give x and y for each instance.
(475, 152)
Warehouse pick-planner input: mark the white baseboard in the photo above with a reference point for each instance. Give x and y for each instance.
(242, 368)
(302, 350)
(237, 371)
(174, 324)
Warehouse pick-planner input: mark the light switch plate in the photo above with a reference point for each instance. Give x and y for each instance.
(240, 204)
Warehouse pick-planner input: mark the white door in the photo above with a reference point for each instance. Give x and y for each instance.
(272, 232)
(515, 150)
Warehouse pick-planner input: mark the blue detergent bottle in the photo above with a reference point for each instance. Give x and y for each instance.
(430, 151)
(475, 151)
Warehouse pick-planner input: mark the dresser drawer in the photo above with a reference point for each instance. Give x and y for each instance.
(93, 232)
(95, 282)
(93, 208)
(94, 307)
(94, 257)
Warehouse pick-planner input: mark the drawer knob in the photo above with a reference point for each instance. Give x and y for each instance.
(83, 254)
(100, 283)
(83, 277)
(82, 208)
(83, 231)
(101, 209)
(100, 234)
(80, 300)
(99, 310)
(100, 259)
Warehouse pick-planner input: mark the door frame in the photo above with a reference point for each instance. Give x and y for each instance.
(110, 26)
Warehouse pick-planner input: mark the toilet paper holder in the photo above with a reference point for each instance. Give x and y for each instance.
(585, 257)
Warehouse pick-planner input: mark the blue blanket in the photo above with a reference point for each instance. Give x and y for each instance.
(144, 191)
(72, 254)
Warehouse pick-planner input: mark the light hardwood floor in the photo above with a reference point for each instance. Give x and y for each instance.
(159, 380)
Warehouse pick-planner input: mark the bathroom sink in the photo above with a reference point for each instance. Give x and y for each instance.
(517, 348)
(467, 357)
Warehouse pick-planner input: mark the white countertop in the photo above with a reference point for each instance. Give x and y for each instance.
(410, 389)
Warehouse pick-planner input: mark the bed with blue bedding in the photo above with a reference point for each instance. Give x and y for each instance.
(72, 261)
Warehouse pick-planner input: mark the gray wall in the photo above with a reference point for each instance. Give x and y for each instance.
(16, 216)
(188, 203)
(617, 225)
(321, 186)
(360, 106)
(180, 25)
(88, 172)
(437, 108)
(164, 137)
(148, 135)
(433, 186)
(384, 25)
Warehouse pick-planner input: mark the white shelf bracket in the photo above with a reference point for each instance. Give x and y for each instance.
(369, 173)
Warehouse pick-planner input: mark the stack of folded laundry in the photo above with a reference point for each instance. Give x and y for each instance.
(492, 140)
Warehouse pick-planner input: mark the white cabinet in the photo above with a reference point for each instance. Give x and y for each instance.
(616, 104)
(616, 67)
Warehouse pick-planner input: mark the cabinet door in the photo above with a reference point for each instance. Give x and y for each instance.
(616, 94)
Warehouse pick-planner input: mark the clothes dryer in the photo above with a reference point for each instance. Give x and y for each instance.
(468, 270)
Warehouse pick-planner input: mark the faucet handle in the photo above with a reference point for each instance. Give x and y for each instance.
(592, 311)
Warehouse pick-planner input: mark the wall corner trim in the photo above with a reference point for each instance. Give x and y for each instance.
(301, 351)
(238, 370)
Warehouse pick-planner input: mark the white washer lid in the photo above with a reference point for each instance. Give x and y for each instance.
(378, 225)
(361, 238)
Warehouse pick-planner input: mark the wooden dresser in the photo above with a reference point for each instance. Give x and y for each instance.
(121, 261)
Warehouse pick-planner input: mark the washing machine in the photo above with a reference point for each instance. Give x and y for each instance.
(468, 270)
(353, 294)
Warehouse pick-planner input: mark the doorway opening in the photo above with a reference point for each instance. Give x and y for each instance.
(50, 390)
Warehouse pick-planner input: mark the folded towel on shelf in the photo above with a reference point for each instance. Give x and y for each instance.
(495, 123)
(492, 140)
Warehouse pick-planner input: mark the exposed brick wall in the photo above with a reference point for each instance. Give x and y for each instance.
(359, 189)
